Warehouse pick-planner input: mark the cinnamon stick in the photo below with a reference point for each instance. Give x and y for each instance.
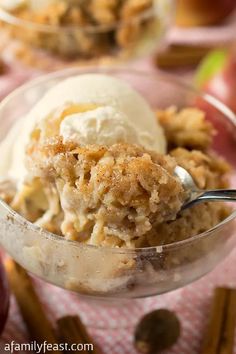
(227, 338)
(71, 330)
(31, 309)
(212, 334)
(180, 56)
(219, 337)
(2, 67)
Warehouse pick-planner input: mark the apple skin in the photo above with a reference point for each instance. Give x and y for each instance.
(202, 12)
(216, 76)
(223, 84)
(4, 297)
(224, 141)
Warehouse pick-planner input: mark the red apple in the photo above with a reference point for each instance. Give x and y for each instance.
(223, 84)
(4, 297)
(217, 77)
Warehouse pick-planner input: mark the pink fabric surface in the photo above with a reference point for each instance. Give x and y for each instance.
(191, 303)
(13, 78)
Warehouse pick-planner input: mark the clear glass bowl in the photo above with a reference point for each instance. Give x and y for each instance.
(47, 46)
(120, 273)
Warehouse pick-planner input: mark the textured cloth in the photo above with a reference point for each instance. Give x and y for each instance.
(191, 304)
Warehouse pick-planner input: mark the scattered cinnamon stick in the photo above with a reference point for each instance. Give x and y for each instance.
(2, 66)
(31, 309)
(227, 337)
(176, 56)
(219, 337)
(71, 330)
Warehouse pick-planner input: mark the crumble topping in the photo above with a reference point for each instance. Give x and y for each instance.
(208, 170)
(186, 128)
(82, 41)
(122, 195)
(107, 195)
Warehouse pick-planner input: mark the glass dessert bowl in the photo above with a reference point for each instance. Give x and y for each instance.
(65, 33)
(115, 271)
(101, 272)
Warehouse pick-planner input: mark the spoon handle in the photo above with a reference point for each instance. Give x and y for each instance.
(227, 195)
(219, 194)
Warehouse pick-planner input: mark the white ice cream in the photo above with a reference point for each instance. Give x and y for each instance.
(121, 115)
(104, 126)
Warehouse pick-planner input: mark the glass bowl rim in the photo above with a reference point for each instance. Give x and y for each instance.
(231, 117)
(10, 18)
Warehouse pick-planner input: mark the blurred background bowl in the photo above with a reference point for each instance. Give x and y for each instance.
(49, 46)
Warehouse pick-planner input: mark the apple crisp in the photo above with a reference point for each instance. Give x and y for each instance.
(186, 128)
(93, 27)
(107, 195)
(122, 195)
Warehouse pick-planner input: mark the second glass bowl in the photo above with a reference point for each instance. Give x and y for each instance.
(47, 45)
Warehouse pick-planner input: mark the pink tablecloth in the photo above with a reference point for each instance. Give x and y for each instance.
(190, 303)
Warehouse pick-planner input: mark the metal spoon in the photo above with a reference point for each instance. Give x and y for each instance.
(197, 195)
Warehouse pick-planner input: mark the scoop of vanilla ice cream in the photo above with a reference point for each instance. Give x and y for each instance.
(120, 114)
(104, 126)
